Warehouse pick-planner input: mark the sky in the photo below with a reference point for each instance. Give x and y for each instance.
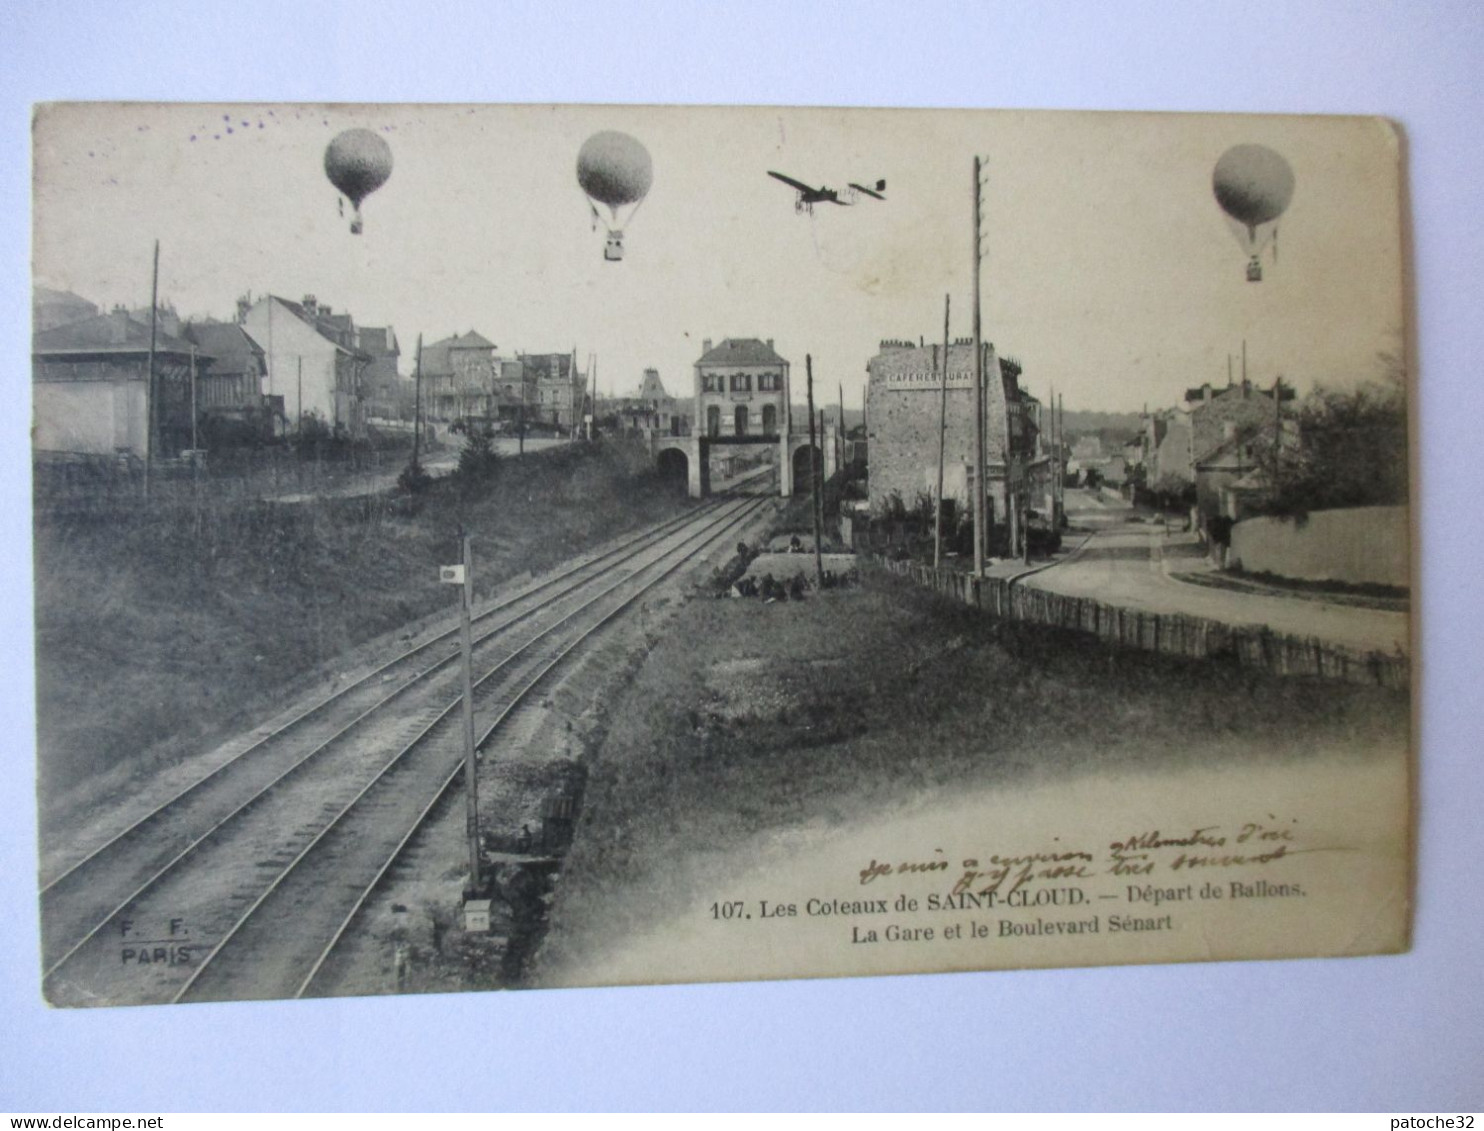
(1109, 271)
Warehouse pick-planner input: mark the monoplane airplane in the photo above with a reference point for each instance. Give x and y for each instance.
(805, 198)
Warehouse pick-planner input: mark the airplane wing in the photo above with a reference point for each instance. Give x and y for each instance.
(791, 182)
(868, 192)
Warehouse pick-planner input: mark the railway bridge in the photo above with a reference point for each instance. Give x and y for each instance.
(689, 457)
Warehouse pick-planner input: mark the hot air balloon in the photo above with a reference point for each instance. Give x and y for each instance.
(358, 162)
(1253, 185)
(615, 171)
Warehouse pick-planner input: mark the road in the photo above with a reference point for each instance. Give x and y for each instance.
(1126, 561)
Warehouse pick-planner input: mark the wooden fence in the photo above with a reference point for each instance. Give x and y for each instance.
(1171, 633)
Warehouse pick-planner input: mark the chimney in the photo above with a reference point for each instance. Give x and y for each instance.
(310, 307)
(705, 346)
(243, 306)
(770, 343)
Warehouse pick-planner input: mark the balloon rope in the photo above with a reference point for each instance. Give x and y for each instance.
(635, 212)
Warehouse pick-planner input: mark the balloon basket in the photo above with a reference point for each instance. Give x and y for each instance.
(1254, 270)
(613, 247)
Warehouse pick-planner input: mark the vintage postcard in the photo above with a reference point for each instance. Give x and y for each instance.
(488, 546)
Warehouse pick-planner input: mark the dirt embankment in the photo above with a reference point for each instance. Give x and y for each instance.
(749, 718)
(159, 628)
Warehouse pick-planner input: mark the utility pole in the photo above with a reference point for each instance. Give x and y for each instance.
(592, 423)
(149, 382)
(417, 401)
(1046, 436)
(815, 459)
(193, 399)
(979, 484)
(942, 432)
(1061, 439)
(299, 395)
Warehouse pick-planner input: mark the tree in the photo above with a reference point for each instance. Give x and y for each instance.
(1351, 449)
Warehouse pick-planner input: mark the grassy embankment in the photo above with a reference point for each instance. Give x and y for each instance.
(158, 631)
(752, 717)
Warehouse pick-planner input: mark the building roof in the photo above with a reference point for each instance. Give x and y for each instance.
(470, 341)
(438, 356)
(332, 327)
(652, 388)
(226, 343)
(552, 367)
(116, 332)
(742, 351)
(378, 340)
(1241, 389)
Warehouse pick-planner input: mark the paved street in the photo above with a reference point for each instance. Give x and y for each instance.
(1128, 562)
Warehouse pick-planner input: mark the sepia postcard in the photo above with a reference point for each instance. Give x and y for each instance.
(487, 547)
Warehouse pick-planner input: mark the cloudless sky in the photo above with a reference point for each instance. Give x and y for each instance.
(1110, 271)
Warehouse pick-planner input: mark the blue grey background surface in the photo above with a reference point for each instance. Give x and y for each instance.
(1394, 1033)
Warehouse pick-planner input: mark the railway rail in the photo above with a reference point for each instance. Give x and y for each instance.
(237, 885)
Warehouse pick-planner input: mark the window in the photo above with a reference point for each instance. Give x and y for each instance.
(710, 383)
(741, 382)
(740, 417)
(713, 420)
(770, 419)
(769, 382)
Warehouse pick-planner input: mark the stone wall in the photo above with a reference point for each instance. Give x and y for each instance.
(1361, 546)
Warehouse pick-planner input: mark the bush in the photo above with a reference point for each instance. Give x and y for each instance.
(477, 458)
(414, 478)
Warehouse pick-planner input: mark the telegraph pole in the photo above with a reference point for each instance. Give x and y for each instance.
(1061, 439)
(942, 432)
(193, 399)
(417, 401)
(979, 484)
(814, 469)
(149, 382)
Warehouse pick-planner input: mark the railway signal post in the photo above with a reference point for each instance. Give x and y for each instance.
(463, 576)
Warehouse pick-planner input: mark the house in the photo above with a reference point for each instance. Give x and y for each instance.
(90, 388)
(1229, 479)
(741, 388)
(460, 375)
(1216, 414)
(229, 393)
(653, 410)
(386, 392)
(52, 308)
(560, 389)
(313, 361)
(1167, 443)
(1229, 428)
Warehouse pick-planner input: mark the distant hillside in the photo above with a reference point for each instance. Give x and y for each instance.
(1087, 422)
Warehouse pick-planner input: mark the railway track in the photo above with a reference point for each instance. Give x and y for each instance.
(183, 902)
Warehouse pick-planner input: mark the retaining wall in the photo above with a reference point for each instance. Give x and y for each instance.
(1360, 545)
